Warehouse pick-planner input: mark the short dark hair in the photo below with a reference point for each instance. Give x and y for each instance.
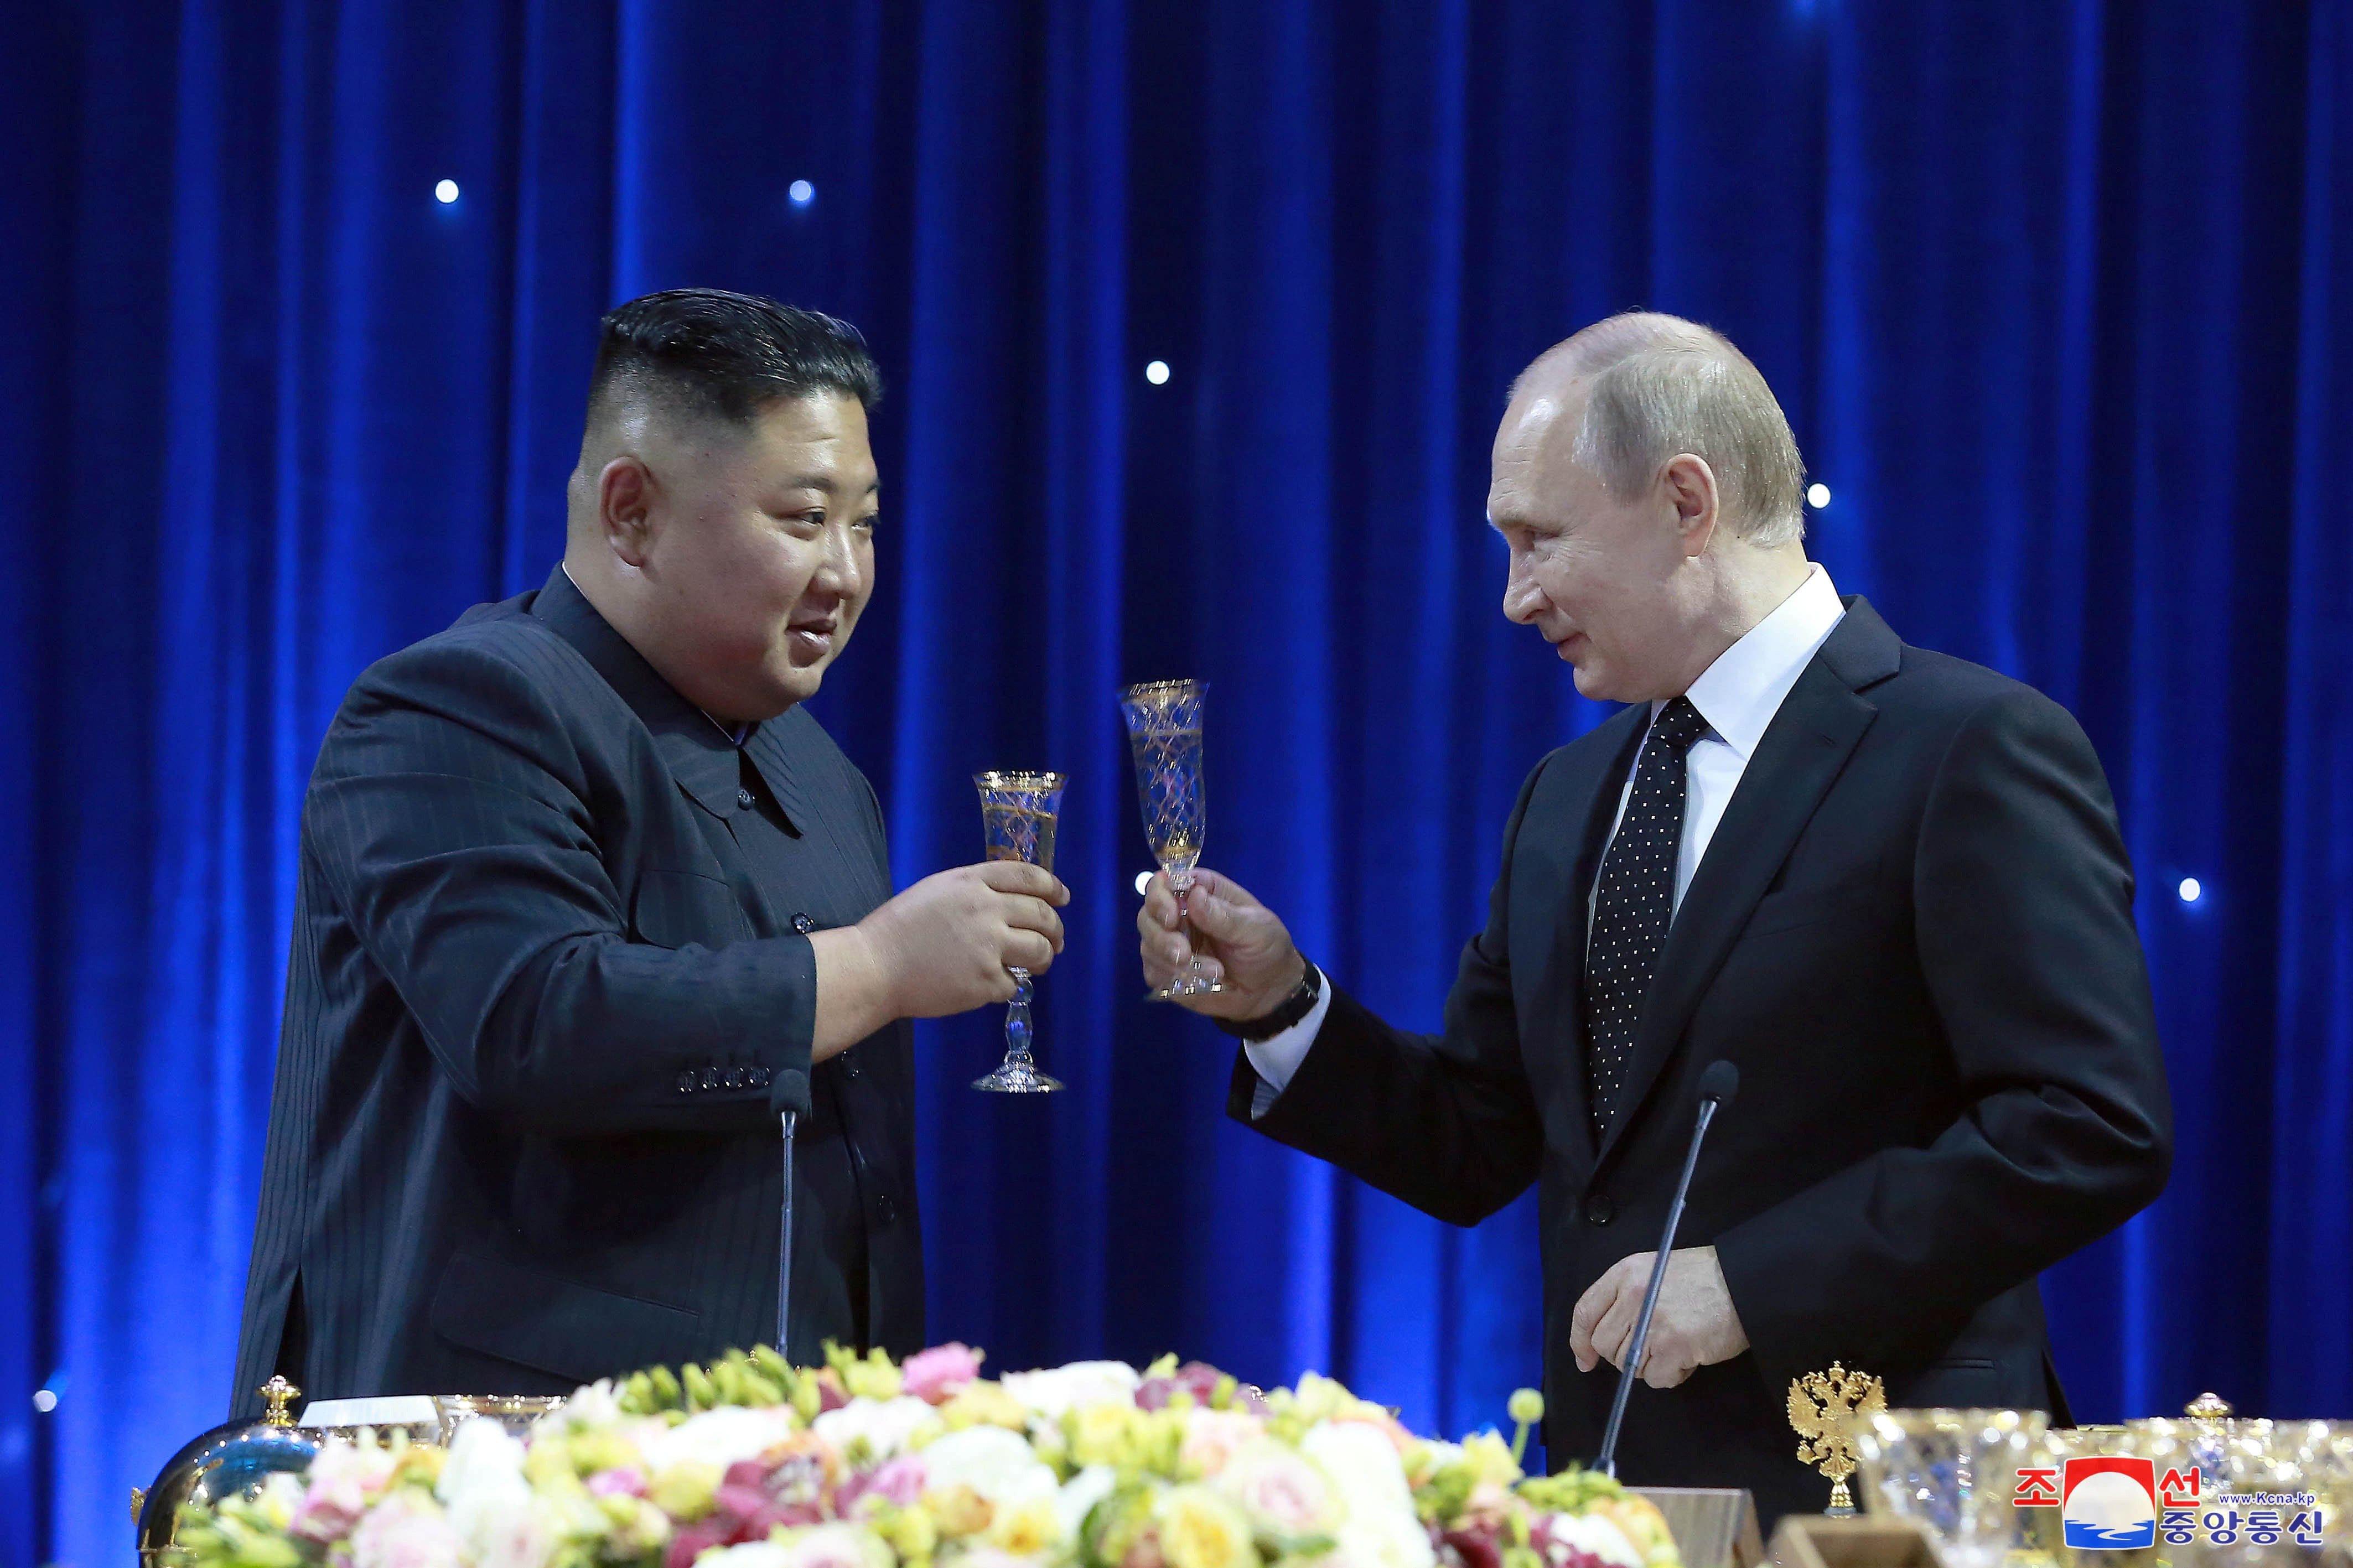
(727, 356)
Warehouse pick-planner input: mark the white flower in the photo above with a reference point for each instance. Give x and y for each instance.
(818, 1546)
(492, 1508)
(483, 1462)
(750, 1554)
(1082, 1382)
(280, 1498)
(1281, 1489)
(1593, 1533)
(1381, 1531)
(591, 1405)
(1436, 1454)
(1080, 1493)
(889, 1425)
(719, 1437)
(997, 1465)
(504, 1535)
(839, 1546)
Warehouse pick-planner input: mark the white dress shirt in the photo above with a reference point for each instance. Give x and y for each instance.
(1738, 695)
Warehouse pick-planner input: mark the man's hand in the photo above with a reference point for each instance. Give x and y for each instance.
(1695, 1325)
(1231, 937)
(942, 947)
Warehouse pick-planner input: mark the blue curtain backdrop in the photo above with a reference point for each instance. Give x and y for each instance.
(2059, 297)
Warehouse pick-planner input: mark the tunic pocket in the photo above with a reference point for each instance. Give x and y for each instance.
(687, 909)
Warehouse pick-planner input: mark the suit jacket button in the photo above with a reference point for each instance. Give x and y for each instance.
(711, 1078)
(743, 798)
(851, 1068)
(885, 1210)
(734, 1078)
(1598, 1209)
(686, 1083)
(759, 1077)
(802, 925)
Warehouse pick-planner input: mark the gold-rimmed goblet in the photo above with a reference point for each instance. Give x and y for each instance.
(1164, 732)
(1018, 812)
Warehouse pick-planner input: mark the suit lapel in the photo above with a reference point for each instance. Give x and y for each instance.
(1799, 757)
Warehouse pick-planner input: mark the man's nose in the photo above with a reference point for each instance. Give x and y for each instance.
(836, 570)
(1523, 600)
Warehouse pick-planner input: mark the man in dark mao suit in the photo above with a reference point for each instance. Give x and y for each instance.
(1885, 884)
(589, 904)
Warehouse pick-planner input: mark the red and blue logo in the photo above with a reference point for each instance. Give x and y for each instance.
(2110, 1504)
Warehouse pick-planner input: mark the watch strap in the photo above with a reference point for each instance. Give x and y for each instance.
(1286, 1013)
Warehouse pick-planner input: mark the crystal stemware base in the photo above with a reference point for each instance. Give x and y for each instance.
(1018, 1078)
(1017, 1073)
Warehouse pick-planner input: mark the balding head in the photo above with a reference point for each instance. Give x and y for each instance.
(1647, 486)
(1651, 386)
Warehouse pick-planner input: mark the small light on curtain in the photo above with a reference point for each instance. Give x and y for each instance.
(1817, 496)
(45, 1400)
(1143, 881)
(1157, 373)
(801, 193)
(446, 192)
(2190, 891)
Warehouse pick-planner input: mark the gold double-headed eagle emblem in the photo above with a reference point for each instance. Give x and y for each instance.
(1821, 1406)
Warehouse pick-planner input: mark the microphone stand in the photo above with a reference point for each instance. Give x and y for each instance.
(789, 1097)
(784, 1245)
(1716, 1086)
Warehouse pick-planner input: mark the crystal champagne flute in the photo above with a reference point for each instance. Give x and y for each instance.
(1018, 812)
(1164, 731)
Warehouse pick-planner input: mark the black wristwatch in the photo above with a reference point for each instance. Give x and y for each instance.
(1289, 1011)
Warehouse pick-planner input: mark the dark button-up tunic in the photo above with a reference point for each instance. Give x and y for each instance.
(550, 985)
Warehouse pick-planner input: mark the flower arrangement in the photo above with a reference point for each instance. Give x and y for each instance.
(865, 1463)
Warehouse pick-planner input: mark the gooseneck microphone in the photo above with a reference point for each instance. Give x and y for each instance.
(789, 1097)
(1717, 1085)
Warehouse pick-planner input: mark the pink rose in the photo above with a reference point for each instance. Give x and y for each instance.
(626, 1481)
(1212, 1436)
(899, 1483)
(1282, 1491)
(740, 1502)
(1474, 1548)
(695, 1539)
(935, 1375)
(1146, 1552)
(1197, 1378)
(407, 1529)
(343, 1480)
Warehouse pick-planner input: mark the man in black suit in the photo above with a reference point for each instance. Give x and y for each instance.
(589, 905)
(1885, 884)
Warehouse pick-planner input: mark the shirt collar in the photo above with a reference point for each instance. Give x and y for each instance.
(1741, 691)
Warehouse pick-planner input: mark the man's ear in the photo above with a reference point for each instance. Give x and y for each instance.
(1690, 486)
(626, 490)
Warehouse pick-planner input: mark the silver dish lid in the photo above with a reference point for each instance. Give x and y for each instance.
(232, 1459)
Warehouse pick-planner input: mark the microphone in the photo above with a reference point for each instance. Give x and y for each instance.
(1717, 1085)
(789, 1097)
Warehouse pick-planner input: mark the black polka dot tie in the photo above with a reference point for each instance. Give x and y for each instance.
(1633, 906)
